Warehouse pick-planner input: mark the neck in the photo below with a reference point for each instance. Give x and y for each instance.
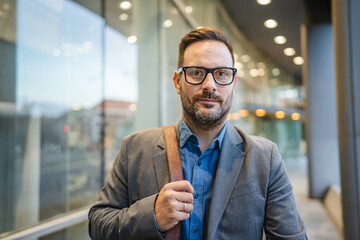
(206, 135)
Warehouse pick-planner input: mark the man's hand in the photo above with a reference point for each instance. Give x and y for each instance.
(174, 204)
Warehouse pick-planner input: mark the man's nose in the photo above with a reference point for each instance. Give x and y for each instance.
(209, 83)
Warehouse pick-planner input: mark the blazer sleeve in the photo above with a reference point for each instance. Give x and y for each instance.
(113, 217)
(282, 220)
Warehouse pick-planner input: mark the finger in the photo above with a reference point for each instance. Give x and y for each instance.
(180, 186)
(183, 216)
(187, 207)
(184, 197)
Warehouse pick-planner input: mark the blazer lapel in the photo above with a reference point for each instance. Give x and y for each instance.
(161, 166)
(230, 162)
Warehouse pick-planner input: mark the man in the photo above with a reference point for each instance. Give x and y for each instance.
(235, 186)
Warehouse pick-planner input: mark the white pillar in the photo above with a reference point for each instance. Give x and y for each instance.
(146, 28)
(27, 205)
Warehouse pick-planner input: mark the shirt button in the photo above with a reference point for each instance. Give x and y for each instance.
(196, 230)
(196, 195)
(199, 163)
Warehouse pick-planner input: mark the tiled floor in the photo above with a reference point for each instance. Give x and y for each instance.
(317, 222)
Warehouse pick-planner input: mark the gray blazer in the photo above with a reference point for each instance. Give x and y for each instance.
(252, 191)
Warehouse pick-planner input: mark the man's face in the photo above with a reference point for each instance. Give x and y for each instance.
(205, 105)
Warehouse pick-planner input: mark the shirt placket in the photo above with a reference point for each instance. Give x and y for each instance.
(198, 184)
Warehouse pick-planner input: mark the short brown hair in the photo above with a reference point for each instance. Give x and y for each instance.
(202, 34)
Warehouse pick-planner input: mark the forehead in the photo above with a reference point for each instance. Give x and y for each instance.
(208, 53)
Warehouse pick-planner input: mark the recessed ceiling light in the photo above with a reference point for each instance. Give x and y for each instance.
(298, 60)
(132, 39)
(295, 116)
(270, 23)
(123, 17)
(275, 72)
(126, 5)
(263, 2)
(167, 23)
(261, 72)
(260, 112)
(253, 72)
(289, 51)
(280, 114)
(280, 39)
(188, 9)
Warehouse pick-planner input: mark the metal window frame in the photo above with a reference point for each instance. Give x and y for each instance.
(50, 226)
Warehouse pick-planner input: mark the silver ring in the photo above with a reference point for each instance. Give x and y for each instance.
(185, 205)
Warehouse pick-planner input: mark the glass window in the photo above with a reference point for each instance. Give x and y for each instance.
(121, 90)
(50, 117)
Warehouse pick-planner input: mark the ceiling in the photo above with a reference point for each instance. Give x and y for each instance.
(249, 17)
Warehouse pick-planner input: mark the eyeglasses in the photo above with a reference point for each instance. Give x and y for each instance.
(196, 75)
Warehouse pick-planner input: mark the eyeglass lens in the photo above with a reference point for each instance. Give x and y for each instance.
(221, 75)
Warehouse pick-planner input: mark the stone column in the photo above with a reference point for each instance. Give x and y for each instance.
(321, 124)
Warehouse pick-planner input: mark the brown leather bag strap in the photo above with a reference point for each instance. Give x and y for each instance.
(175, 168)
(173, 153)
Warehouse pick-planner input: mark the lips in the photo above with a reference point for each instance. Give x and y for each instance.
(208, 100)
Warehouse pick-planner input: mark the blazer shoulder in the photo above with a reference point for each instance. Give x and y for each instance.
(151, 134)
(257, 142)
(261, 141)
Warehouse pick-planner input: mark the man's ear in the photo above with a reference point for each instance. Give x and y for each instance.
(176, 79)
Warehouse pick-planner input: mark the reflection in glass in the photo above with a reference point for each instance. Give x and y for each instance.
(55, 129)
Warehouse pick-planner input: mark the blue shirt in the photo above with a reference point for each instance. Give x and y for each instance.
(199, 169)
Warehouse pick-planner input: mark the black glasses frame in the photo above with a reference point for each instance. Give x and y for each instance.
(208, 70)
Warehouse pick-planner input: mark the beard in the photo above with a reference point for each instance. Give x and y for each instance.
(200, 118)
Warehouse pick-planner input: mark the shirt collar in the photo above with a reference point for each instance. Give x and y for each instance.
(186, 133)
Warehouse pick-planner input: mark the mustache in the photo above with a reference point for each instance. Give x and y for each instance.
(207, 95)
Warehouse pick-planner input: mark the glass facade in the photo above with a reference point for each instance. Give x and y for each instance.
(78, 76)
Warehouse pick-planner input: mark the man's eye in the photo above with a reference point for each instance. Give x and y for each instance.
(222, 73)
(195, 73)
